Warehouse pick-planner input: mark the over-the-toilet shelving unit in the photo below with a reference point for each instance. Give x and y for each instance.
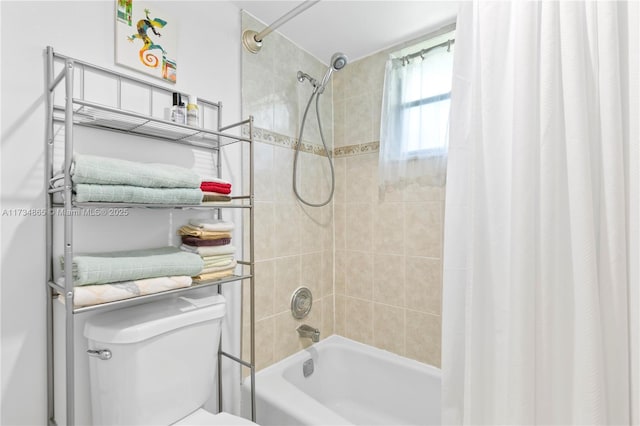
(78, 111)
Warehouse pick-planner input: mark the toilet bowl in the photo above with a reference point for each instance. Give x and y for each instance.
(155, 364)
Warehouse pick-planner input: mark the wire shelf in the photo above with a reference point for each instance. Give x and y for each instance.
(153, 296)
(89, 114)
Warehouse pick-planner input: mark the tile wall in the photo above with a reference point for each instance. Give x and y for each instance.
(388, 250)
(373, 264)
(293, 242)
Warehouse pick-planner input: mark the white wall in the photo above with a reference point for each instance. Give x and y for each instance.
(209, 65)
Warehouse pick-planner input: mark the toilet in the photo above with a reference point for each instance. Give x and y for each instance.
(155, 364)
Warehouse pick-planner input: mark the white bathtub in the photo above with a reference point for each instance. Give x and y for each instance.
(352, 384)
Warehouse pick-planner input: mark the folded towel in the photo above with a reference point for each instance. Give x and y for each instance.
(189, 230)
(212, 276)
(220, 260)
(213, 203)
(90, 295)
(215, 197)
(195, 241)
(136, 194)
(212, 225)
(230, 265)
(215, 180)
(103, 268)
(215, 187)
(209, 251)
(93, 169)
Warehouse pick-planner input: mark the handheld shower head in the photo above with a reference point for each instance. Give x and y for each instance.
(338, 61)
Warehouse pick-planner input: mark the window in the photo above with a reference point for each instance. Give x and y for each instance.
(415, 113)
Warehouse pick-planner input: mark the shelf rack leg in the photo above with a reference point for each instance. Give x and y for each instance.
(219, 217)
(252, 272)
(68, 246)
(48, 152)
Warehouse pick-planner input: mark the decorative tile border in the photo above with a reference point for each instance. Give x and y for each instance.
(273, 138)
(358, 149)
(277, 139)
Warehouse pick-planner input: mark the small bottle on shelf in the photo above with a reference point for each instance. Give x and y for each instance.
(178, 110)
(193, 114)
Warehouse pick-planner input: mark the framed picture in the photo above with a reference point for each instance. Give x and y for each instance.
(146, 39)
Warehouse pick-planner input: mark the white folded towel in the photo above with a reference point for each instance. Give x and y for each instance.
(212, 225)
(215, 179)
(209, 250)
(230, 265)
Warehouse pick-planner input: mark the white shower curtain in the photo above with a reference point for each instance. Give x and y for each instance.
(540, 309)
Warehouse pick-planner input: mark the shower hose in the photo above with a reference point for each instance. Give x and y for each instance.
(315, 94)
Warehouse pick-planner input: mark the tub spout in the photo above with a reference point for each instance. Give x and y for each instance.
(305, 330)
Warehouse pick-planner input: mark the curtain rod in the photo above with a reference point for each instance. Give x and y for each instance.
(252, 40)
(405, 59)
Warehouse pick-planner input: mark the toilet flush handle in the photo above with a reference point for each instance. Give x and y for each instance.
(103, 354)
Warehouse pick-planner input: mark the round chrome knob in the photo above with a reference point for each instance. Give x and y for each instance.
(301, 302)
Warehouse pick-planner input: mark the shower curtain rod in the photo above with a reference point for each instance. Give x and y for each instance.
(405, 59)
(252, 40)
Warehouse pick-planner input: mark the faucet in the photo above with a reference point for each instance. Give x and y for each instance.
(305, 330)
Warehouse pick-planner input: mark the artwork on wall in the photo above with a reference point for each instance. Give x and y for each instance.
(146, 39)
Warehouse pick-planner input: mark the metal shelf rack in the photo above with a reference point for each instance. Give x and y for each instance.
(78, 111)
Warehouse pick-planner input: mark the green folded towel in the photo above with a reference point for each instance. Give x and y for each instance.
(135, 194)
(94, 169)
(102, 268)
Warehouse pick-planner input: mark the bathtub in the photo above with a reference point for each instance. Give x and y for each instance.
(352, 384)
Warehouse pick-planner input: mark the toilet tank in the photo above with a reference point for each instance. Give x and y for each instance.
(163, 360)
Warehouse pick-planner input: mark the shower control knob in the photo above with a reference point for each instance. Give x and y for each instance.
(301, 302)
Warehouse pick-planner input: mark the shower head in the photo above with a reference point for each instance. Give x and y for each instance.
(338, 61)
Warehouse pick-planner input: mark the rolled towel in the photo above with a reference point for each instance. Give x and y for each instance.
(199, 242)
(212, 225)
(209, 251)
(93, 169)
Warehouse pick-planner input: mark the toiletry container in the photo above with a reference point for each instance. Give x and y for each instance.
(155, 364)
(178, 110)
(193, 112)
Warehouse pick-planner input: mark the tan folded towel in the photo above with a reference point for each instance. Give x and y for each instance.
(194, 231)
(214, 197)
(213, 276)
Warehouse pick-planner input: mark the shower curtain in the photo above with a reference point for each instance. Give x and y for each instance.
(540, 296)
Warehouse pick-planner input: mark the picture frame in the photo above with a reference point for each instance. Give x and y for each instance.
(146, 39)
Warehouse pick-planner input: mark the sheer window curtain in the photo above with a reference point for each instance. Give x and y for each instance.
(415, 120)
(540, 309)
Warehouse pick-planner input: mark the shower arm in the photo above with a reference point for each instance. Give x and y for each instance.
(252, 40)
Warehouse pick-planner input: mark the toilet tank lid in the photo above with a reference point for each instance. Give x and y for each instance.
(141, 322)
